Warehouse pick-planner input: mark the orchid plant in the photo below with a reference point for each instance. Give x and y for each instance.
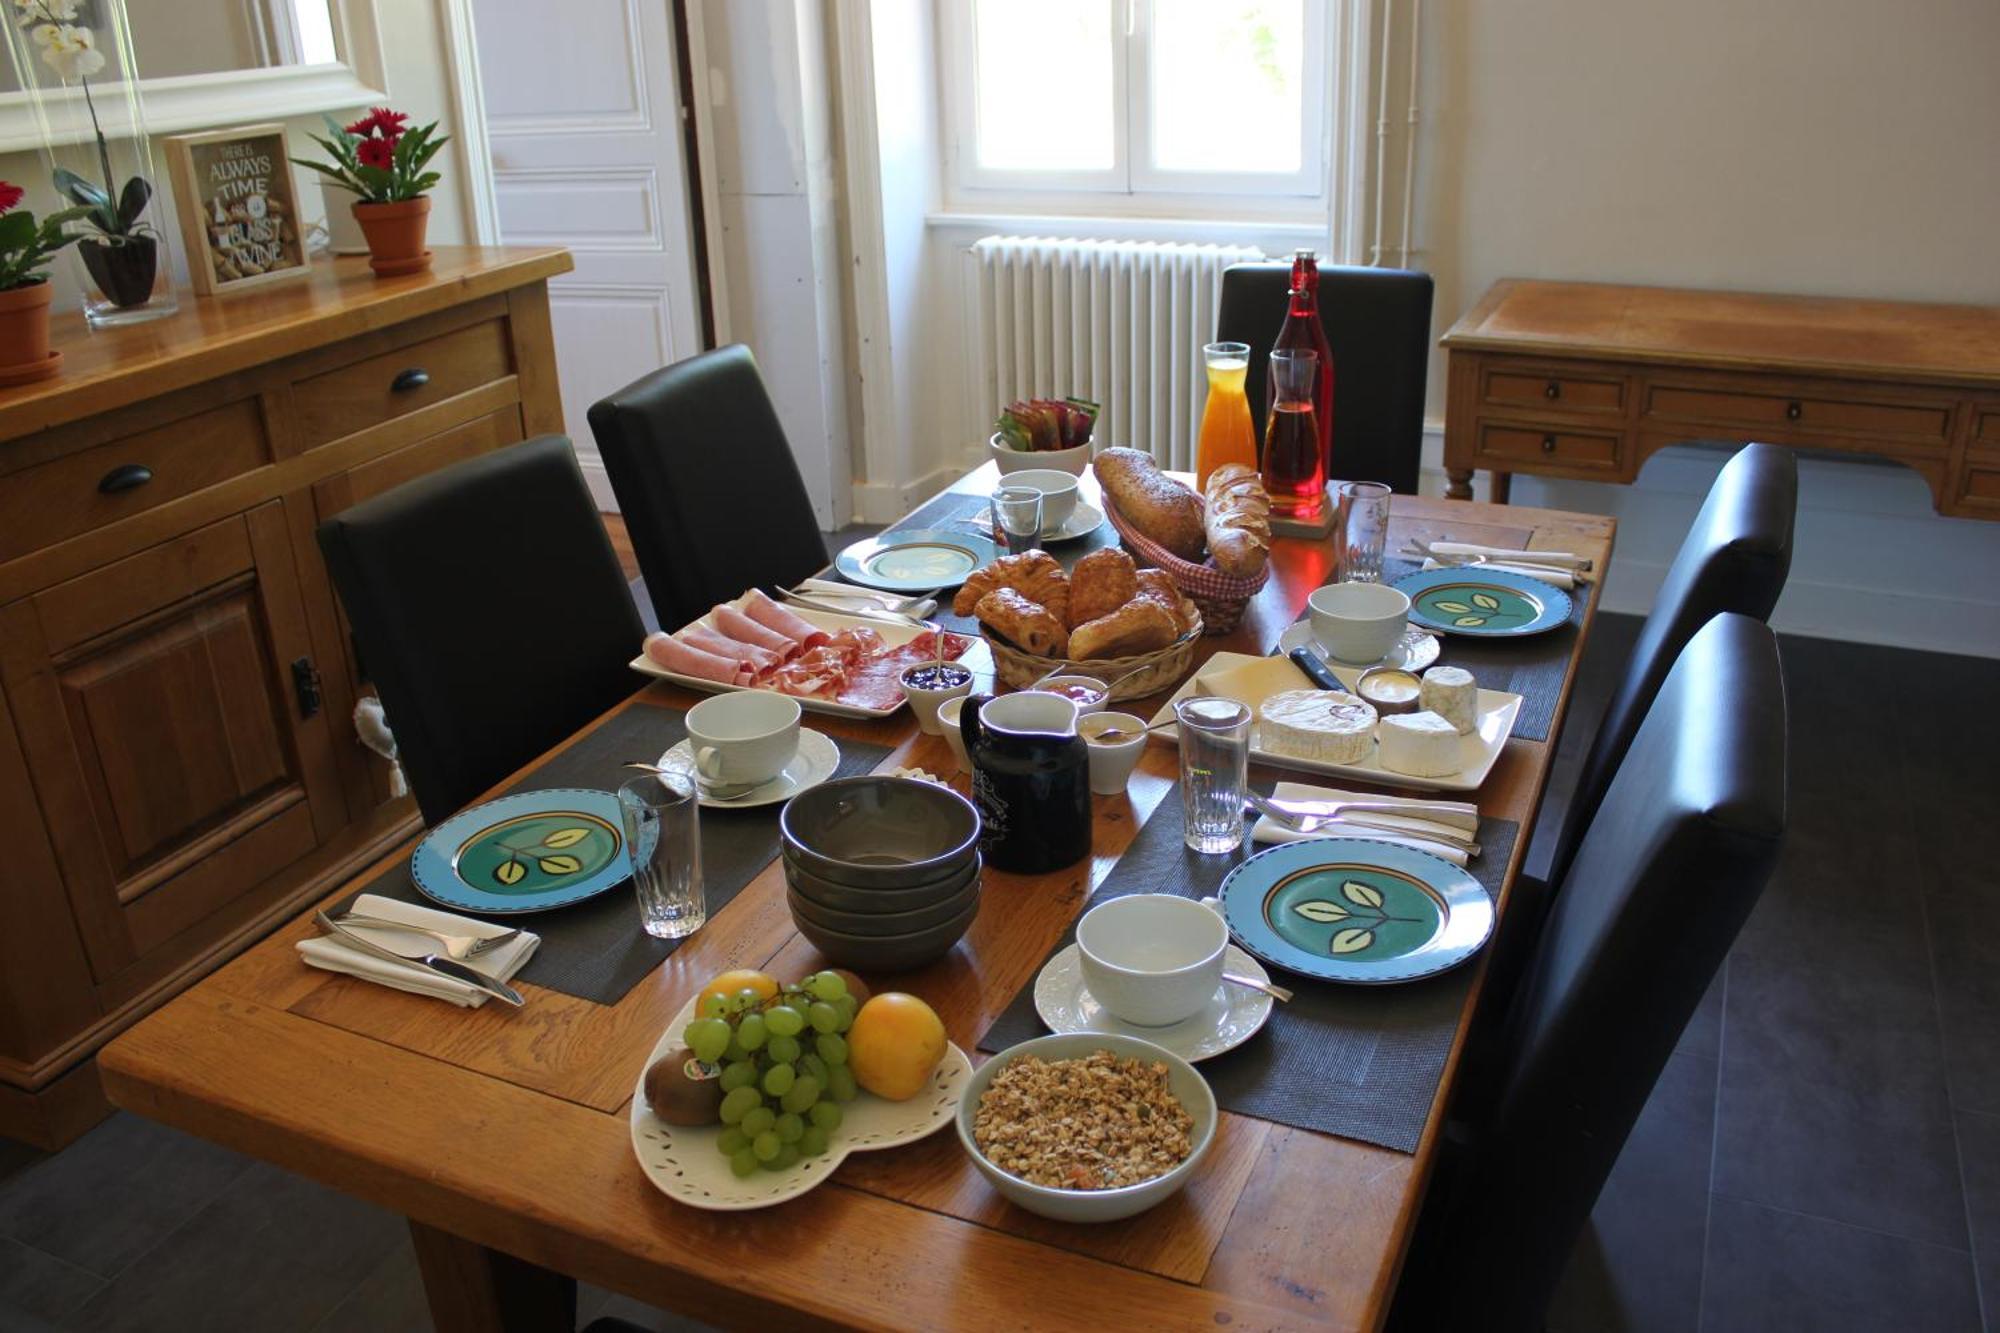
(25, 245)
(70, 49)
(376, 158)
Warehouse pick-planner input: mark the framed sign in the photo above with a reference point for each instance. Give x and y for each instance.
(239, 208)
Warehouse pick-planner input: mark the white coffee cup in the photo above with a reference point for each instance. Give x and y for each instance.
(743, 739)
(1358, 622)
(1152, 958)
(1059, 492)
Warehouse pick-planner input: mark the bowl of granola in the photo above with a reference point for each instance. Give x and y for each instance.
(1086, 1126)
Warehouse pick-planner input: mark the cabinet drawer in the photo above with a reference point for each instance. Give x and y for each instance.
(83, 491)
(1566, 448)
(1986, 425)
(341, 402)
(1978, 490)
(1556, 390)
(1910, 421)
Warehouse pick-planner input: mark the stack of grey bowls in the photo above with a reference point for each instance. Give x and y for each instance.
(882, 873)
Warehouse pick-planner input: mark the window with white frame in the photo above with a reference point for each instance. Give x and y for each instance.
(1162, 106)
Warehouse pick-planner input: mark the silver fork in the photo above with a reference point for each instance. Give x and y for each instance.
(460, 947)
(1328, 812)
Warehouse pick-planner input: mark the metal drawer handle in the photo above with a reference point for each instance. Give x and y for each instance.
(409, 381)
(1793, 410)
(127, 478)
(1554, 390)
(1548, 444)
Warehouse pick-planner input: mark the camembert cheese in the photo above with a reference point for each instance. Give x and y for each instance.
(1323, 725)
(1453, 695)
(1422, 745)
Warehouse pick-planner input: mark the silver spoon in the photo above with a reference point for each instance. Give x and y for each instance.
(1278, 993)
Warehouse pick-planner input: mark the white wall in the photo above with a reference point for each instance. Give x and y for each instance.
(1839, 147)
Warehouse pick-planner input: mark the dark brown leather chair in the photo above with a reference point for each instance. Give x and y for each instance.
(1675, 857)
(1378, 324)
(705, 478)
(489, 611)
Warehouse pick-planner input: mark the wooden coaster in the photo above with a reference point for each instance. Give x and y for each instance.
(1318, 530)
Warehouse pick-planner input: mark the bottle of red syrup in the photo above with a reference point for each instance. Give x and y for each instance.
(1302, 331)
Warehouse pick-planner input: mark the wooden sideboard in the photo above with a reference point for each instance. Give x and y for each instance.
(1584, 380)
(178, 765)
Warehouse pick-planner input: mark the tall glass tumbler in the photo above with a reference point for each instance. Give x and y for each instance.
(663, 834)
(1364, 530)
(1017, 518)
(1215, 762)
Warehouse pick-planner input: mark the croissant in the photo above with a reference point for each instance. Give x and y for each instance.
(1034, 574)
(1028, 625)
(1136, 627)
(1238, 520)
(1156, 585)
(1102, 582)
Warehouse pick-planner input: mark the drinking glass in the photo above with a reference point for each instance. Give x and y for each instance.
(1294, 466)
(1017, 517)
(663, 835)
(1364, 530)
(1227, 433)
(1215, 761)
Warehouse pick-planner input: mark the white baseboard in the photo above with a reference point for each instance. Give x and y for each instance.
(885, 502)
(599, 481)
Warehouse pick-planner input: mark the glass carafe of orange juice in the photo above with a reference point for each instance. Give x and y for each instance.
(1227, 436)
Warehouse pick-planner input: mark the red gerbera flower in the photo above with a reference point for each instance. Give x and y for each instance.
(381, 121)
(10, 195)
(376, 153)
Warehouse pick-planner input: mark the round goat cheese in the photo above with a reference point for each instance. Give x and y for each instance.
(1453, 695)
(1325, 725)
(1422, 745)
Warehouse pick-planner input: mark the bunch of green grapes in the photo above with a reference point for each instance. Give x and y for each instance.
(784, 1068)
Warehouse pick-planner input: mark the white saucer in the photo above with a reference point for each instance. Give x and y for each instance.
(1082, 521)
(1418, 649)
(1232, 1017)
(815, 762)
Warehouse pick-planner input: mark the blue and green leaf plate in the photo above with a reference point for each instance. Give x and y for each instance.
(1356, 910)
(1490, 603)
(527, 852)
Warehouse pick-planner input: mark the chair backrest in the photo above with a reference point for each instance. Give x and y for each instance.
(1681, 847)
(489, 611)
(1734, 559)
(710, 492)
(1378, 323)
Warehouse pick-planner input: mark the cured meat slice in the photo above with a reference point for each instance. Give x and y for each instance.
(746, 655)
(782, 619)
(687, 660)
(733, 623)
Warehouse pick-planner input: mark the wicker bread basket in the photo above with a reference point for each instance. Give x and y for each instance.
(1149, 672)
(1221, 597)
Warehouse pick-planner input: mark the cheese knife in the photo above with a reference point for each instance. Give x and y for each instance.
(1316, 669)
(444, 967)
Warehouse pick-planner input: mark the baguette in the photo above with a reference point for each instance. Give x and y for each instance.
(1154, 503)
(1238, 521)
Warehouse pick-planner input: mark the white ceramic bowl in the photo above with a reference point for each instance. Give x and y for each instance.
(746, 737)
(1059, 492)
(1358, 622)
(1189, 1089)
(1055, 684)
(925, 702)
(1112, 762)
(1151, 958)
(947, 716)
(1072, 461)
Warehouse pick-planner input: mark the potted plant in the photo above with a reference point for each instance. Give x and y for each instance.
(382, 164)
(25, 291)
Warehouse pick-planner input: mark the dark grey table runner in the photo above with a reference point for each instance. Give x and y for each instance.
(1362, 1062)
(595, 950)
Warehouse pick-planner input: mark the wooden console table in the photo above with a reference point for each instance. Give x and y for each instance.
(1583, 380)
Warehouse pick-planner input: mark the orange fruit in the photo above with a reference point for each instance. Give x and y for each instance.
(728, 983)
(896, 1042)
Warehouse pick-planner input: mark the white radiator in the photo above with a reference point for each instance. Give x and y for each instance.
(1118, 322)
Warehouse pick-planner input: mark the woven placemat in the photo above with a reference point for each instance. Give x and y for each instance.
(1362, 1062)
(1533, 667)
(595, 950)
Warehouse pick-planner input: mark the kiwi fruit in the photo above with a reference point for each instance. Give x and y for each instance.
(676, 1095)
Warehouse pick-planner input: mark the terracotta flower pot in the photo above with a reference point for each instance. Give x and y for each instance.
(24, 334)
(396, 235)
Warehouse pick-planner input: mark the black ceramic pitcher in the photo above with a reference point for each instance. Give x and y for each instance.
(1030, 779)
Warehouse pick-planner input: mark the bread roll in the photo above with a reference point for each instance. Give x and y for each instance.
(1158, 506)
(1137, 627)
(1033, 574)
(1027, 625)
(1239, 521)
(1102, 582)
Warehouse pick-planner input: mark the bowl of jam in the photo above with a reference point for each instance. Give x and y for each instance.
(1088, 693)
(928, 684)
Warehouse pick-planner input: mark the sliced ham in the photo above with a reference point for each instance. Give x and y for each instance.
(733, 623)
(687, 660)
(783, 619)
(746, 655)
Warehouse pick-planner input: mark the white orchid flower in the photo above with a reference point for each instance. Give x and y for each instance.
(49, 11)
(70, 50)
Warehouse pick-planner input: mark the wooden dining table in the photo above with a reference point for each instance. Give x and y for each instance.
(502, 1134)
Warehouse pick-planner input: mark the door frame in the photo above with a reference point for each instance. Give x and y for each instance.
(468, 114)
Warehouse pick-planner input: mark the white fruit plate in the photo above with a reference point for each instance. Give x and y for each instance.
(683, 1163)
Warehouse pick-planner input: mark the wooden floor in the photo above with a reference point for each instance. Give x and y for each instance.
(621, 542)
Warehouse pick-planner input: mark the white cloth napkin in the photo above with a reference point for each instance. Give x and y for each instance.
(1547, 574)
(1560, 559)
(1412, 829)
(337, 955)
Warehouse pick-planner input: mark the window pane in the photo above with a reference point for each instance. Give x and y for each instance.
(1226, 85)
(1043, 75)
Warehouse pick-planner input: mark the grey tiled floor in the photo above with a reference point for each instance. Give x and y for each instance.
(1822, 1152)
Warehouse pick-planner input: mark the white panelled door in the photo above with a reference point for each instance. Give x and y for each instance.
(584, 117)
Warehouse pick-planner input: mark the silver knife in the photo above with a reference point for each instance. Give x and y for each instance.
(444, 967)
